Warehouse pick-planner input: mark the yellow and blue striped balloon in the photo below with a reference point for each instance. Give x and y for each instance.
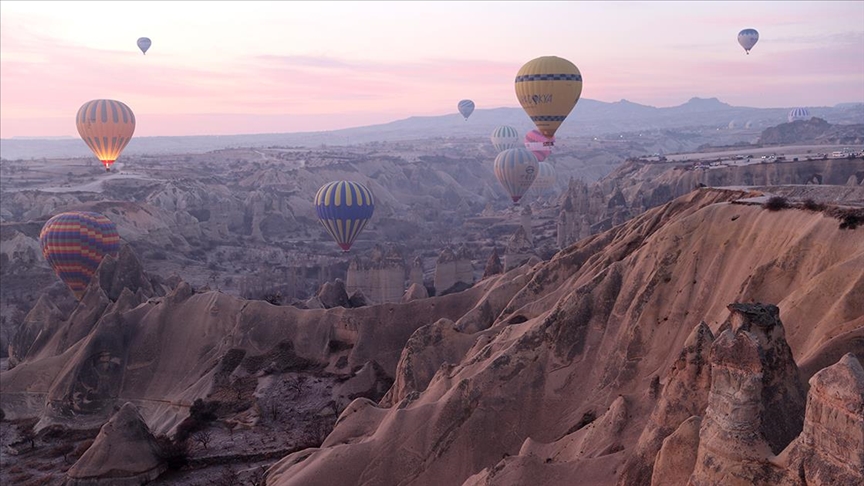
(548, 88)
(74, 244)
(516, 170)
(344, 208)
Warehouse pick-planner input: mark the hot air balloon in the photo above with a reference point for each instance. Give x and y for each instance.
(466, 107)
(798, 114)
(548, 88)
(516, 170)
(505, 137)
(106, 127)
(74, 243)
(344, 208)
(546, 178)
(748, 38)
(538, 144)
(144, 44)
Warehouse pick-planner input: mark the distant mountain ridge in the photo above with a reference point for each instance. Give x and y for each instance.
(589, 118)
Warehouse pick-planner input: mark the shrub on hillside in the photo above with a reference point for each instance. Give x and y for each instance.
(175, 453)
(812, 205)
(776, 203)
(201, 414)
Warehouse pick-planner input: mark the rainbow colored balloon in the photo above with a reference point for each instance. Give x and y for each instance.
(344, 208)
(539, 144)
(74, 244)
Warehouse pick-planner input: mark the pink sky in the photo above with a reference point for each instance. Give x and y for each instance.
(265, 67)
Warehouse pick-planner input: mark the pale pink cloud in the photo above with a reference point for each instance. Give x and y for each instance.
(47, 79)
(67, 76)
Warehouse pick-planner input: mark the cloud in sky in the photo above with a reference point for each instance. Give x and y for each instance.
(368, 60)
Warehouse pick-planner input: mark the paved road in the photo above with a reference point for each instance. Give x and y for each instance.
(789, 151)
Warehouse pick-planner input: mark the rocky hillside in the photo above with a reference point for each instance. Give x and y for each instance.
(591, 340)
(589, 118)
(652, 184)
(695, 326)
(813, 131)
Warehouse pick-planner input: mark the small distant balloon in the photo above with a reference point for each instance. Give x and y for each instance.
(144, 44)
(516, 170)
(539, 144)
(466, 107)
(798, 114)
(748, 38)
(505, 137)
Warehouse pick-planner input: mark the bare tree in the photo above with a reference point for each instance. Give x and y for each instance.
(229, 477)
(203, 437)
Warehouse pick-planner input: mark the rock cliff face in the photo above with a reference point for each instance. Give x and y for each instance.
(830, 450)
(119, 282)
(732, 448)
(593, 341)
(815, 130)
(519, 249)
(684, 396)
(660, 183)
(381, 277)
(782, 392)
(415, 275)
(677, 456)
(453, 268)
(749, 389)
(589, 360)
(415, 292)
(493, 265)
(124, 453)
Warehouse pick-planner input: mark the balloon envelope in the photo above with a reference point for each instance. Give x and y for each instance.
(748, 38)
(798, 114)
(74, 243)
(545, 178)
(466, 107)
(344, 208)
(144, 44)
(516, 170)
(106, 126)
(548, 88)
(539, 144)
(505, 137)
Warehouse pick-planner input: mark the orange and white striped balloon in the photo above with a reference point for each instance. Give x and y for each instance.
(106, 126)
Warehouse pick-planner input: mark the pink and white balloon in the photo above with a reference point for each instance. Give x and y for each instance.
(539, 144)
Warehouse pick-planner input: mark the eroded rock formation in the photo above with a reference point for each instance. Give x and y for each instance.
(124, 453)
(453, 268)
(381, 277)
(830, 449)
